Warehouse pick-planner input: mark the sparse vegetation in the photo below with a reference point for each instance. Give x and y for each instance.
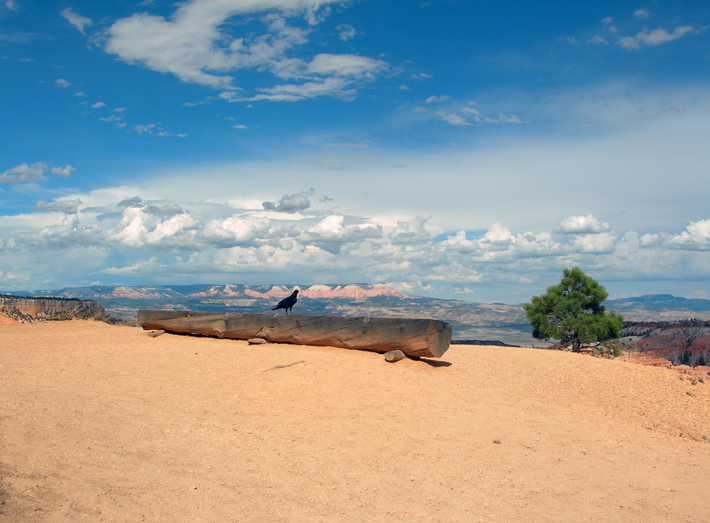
(609, 349)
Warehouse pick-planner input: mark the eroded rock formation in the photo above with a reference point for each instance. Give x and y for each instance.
(31, 310)
(683, 343)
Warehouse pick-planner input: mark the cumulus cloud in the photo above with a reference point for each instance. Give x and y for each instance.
(76, 20)
(583, 225)
(61, 82)
(696, 237)
(655, 37)
(641, 13)
(601, 243)
(236, 230)
(290, 203)
(12, 5)
(97, 105)
(331, 232)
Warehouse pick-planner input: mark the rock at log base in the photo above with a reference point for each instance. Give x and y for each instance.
(427, 338)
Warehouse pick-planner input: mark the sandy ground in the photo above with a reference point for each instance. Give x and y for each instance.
(104, 423)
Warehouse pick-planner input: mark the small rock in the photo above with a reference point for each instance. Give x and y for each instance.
(496, 441)
(394, 355)
(256, 341)
(155, 334)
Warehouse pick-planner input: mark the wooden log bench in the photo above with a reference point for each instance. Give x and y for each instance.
(416, 338)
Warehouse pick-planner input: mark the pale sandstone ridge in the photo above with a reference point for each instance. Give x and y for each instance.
(351, 291)
(134, 293)
(217, 290)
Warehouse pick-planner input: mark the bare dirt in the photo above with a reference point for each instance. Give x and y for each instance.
(104, 423)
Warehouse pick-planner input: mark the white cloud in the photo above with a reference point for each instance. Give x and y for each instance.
(655, 37)
(151, 129)
(111, 118)
(12, 5)
(97, 105)
(437, 99)
(336, 87)
(601, 243)
(235, 230)
(607, 20)
(695, 237)
(61, 82)
(583, 225)
(76, 20)
(452, 118)
(346, 32)
(140, 267)
(641, 13)
(30, 172)
(24, 173)
(64, 172)
(596, 39)
(345, 65)
(195, 46)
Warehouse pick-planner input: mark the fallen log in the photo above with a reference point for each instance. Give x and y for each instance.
(427, 338)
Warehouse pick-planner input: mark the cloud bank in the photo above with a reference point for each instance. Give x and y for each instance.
(132, 237)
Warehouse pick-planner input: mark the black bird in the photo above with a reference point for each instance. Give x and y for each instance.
(288, 303)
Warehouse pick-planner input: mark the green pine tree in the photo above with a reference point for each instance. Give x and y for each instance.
(572, 312)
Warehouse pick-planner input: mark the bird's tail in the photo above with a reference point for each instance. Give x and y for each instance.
(274, 308)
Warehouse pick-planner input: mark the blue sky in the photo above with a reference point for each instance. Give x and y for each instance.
(457, 149)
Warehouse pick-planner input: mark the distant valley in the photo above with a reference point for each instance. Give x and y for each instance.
(469, 321)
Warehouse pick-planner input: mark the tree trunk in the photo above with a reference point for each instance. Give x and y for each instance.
(428, 338)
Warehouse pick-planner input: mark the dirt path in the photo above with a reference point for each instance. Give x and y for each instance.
(104, 423)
